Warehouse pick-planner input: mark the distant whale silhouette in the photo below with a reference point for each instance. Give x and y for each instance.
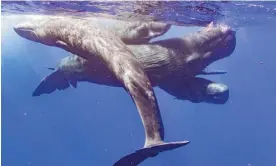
(97, 44)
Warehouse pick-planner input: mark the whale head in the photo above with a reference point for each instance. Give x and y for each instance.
(41, 30)
(213, 43)
(208, 45)
(208, 92)
(216, 93)
(216, 42)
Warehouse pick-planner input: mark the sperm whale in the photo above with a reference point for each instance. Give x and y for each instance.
(160, 61)
(95, 43)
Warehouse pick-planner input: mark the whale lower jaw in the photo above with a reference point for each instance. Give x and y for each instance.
(135, 158)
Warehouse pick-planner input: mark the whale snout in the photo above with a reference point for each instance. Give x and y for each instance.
(26, 30)
(23, 27)
(221, 42)
(230, 37)
(217, 93)
(216, 88)
(228, 43)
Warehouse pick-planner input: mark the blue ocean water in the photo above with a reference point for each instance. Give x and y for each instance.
(97, 125)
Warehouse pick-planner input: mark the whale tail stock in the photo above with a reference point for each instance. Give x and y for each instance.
(137, 84)
(135, 158)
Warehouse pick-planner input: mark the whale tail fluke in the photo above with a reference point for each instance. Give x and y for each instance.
(50, 83)
(135, 158)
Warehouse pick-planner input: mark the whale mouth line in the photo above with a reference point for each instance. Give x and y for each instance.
(26, 32)
(19, 28)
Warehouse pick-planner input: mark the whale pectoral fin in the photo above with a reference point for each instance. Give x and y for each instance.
(149, 31)
(141, 32)
(157, 29)
(206, 72)
(140, 155)
(62, 45)
(50, 68)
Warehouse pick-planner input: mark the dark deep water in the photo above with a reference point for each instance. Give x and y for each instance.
(97, 125)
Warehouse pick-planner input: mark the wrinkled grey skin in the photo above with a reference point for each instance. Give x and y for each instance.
(106, 50)
(160, 61)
